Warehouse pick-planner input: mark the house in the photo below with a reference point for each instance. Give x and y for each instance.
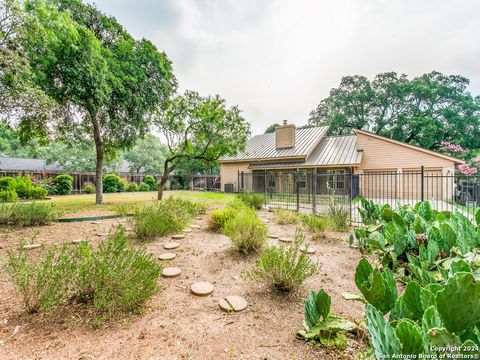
(382, 167)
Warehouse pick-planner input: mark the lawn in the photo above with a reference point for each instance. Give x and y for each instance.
(84, 202)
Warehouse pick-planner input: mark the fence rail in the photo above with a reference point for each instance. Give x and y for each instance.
(317, 192)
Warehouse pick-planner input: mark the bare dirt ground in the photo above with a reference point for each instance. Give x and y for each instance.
(176, 324)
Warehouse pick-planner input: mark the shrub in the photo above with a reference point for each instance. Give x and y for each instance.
(246, 231)
(338, 213)
(132, 187)
(151, 182)
(7, 183)
(217, 218)
(112, 183)
(255, 201)
(285, 216)
(8, 195)
(165, 217)
(27, 214)
(122, 185)
(23, 187)
(38, 192)
(89, 189)
(316, 225)
(64, 184)
(285, 267)
(143, 187)
(46, 183)
(43, 283)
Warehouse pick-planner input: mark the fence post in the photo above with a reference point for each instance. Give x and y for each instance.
(314, 191)
(297, 180)
(242, 180)
(238, 180)
(422, 178)
(265, 186)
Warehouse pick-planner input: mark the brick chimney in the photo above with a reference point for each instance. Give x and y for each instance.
(285, 136)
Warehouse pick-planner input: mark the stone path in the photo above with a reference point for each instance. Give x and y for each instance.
(201, 288)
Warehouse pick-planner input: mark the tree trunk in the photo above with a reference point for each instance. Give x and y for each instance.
(164, 179)
(97, 136)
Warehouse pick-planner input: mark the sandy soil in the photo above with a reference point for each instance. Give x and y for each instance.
(176, 324)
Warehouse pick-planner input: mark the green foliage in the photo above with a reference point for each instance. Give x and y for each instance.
(286, 267)
(321, 325)
(7, 183)
(151, 182)
(218, 218)
(316, 225)
(113, 183)
(147, 155)
(246, 231)
(23, 186)
(132, 187)
(115, 278)
(143, 187)
(338, 214)
(255, 201)
(38, 193)
(408, 110)
(27, 214)
(89, 189)
(8, 196)
(169, 216)
(63, 184)
(284, 216)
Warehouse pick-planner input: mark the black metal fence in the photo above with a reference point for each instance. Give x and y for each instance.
(321, 192)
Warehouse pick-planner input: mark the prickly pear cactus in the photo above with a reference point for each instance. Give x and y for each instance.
(316, 307)
(410, 336)
(384, 339)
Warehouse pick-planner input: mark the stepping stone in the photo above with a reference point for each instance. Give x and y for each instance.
(201, 288)
(103, 234)
(95, 222)
(187, 231)
(272, 236)
(171, 272)
(167, 256)
(196, 226)
(308, 250)
(178, 236)
(78, 241)
(31, 246)
(285, 240)
(232, 303)
(171, 245)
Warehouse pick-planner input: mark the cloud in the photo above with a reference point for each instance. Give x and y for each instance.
(276, 59)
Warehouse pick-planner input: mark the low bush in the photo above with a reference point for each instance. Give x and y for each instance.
(286, 267)
(46, 183)
(23, 186)
(246, 231)
(89, 189)
(143, 187)
(114, 278)
(338, 214)
(63, 184)
(38, 192)
(217, 218)
(8, 195)
(255, 201)
(7, 183)
(151, 182)
(27, 214)
(316, 225)
(132, 187)
(122, 185)
(284, 216)
(112, 183)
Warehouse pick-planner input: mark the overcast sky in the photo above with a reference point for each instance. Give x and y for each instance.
(277, 59)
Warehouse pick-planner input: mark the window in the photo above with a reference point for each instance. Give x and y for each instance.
(302, 179)
(336, 179)
(271, 181)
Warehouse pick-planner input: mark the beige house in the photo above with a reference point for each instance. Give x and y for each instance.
(385, 167)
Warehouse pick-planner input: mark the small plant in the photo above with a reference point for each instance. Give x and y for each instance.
(38, 193)
(89, 189)
(338, 213)
(286, 267)
(143, 187)
(7, 183)
(132, 187)
(255, 201)
(63, 184)
(285, 216)
(321, 325)
(8, 195)
(246, 231)
(217, 218)
(23, 187)
(27, 214)
(316, 225)
(150, 181)
(44, 282)
(113, 183)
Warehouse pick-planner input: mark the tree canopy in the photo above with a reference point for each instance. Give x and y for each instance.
(105, 83)
(199, 128)
(271, 128)
(148, 155)
(423, 111)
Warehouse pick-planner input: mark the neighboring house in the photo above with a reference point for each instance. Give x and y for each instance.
(22, 164)
(278, 154)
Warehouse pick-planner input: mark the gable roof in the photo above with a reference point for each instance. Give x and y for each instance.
(262, 147)
(414, 147)
(11, 163)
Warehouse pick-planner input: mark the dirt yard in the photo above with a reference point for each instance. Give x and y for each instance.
(176, 324)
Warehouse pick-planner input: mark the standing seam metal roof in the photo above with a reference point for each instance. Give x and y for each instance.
(263, 146)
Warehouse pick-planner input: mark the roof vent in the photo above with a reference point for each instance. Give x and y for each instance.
(285, 136)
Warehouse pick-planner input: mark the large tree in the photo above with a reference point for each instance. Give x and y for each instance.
(148, 155)
(106, 83)
(199, 128)
(423, 111)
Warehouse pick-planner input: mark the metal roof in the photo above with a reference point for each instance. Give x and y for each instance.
(263, 146)
(332, 151)
(11, 163)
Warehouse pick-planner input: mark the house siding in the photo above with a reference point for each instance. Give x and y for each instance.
(229, 173)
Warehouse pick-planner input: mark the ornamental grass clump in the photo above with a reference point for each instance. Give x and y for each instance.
(246, 231)
(255, 201)
(316, 225)
(28, 214)
(218, 217)
(284, 216)
(286, 267)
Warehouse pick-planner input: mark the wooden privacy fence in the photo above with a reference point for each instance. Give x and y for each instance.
(80, 179)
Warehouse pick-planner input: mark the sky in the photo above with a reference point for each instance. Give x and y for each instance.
(277, 59)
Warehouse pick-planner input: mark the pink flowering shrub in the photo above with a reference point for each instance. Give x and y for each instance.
(449, 147)
(466, 169)
(457, 150)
